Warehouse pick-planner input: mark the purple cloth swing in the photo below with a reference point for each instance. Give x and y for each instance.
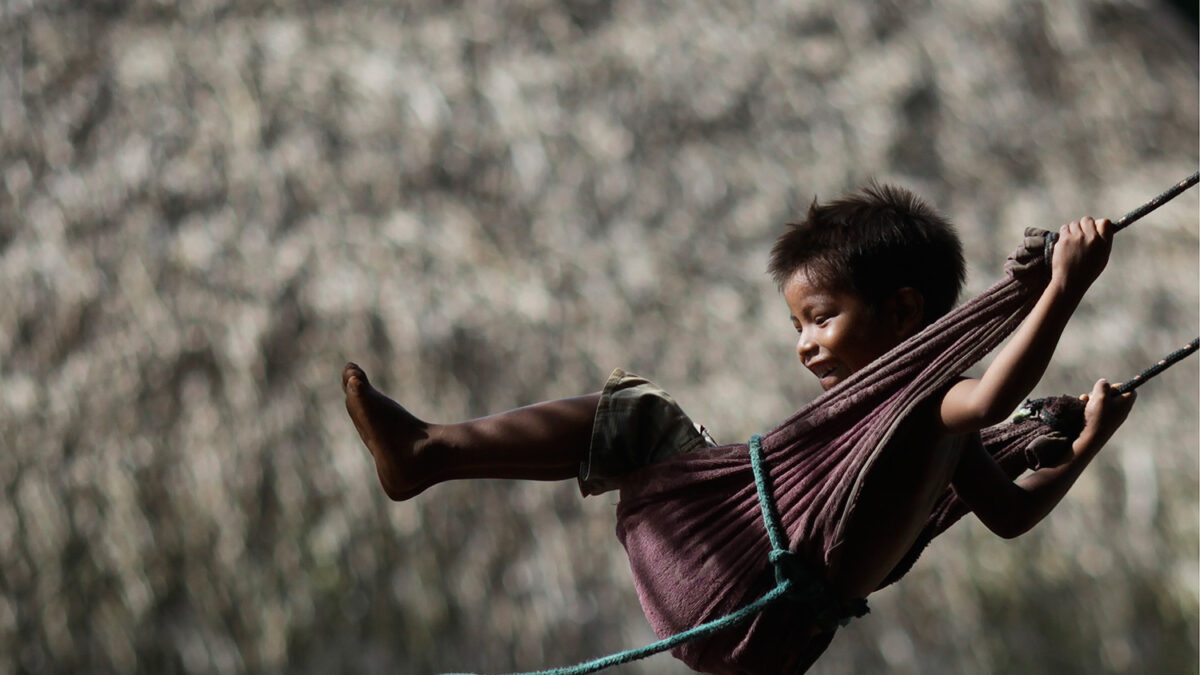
(692, 525)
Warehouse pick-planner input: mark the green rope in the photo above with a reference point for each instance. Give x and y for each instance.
(784, 587)
(766, 497)
(701, 631)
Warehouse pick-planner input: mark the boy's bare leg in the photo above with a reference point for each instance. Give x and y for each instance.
(544, 441)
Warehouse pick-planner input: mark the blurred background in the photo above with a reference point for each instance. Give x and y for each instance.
(208, 207)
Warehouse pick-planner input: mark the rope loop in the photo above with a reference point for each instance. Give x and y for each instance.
(1051, 240)
(785, 563)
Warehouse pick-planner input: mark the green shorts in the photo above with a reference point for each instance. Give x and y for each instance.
(637, 423)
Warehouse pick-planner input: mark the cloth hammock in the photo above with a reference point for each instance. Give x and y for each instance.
(704, 559)
(692, 525)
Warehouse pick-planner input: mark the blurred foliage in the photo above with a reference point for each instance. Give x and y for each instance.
(207, 207)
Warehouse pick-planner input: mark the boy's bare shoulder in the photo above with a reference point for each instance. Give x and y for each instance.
(958, 410)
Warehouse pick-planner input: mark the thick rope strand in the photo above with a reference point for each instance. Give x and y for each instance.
(766, 497)
(1167, 361)
(701, 631)
(1136, 214)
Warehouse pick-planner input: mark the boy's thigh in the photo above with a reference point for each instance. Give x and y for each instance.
(637, 423)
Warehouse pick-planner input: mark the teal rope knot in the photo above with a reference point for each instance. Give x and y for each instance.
(792, 578)
(786, 564)
(792, 582)
(802, 587)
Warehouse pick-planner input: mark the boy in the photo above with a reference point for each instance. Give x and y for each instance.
(859, 275)
(864, 273)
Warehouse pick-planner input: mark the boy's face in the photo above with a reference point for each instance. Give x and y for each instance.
(839, 331)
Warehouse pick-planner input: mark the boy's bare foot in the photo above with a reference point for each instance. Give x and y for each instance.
(393, 435)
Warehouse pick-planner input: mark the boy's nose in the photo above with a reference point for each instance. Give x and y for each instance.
(806, 348)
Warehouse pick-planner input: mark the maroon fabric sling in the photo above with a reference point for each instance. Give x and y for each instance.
(692, 525)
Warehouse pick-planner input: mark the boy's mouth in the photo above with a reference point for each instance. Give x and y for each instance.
(824, 372)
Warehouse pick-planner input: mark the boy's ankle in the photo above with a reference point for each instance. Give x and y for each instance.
(421, 464)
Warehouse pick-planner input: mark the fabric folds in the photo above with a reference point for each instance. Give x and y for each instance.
(691, 524)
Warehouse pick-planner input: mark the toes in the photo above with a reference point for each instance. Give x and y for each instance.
(353, 377)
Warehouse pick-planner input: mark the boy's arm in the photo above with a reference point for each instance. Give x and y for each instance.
(1080, 254)
(1010, 509)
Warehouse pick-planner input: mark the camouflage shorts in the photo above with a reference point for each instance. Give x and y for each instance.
(637, 423)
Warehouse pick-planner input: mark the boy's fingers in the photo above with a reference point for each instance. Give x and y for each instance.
(1104, 228)
(1088, 227)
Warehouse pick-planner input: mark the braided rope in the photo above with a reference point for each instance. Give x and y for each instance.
(1136, 214)
(701, 631)
(1167, 361)
(766, 498)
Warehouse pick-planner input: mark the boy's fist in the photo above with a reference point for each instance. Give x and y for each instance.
(1104, 411)
(1081, 252)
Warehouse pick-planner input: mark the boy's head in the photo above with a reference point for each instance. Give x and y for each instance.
(883, 250)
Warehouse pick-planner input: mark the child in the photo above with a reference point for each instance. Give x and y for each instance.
(859, 276)
(864, 273)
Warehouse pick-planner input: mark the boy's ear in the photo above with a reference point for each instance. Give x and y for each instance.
(908, 311)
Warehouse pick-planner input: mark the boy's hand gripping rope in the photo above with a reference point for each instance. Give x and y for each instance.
(1069, 420)
(1136, 214)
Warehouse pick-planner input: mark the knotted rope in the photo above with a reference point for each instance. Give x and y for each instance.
(798, 584)
(791, 583)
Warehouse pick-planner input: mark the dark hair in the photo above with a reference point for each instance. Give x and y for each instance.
(875, 242)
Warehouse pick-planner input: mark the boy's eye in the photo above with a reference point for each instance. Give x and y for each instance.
(821, 320)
